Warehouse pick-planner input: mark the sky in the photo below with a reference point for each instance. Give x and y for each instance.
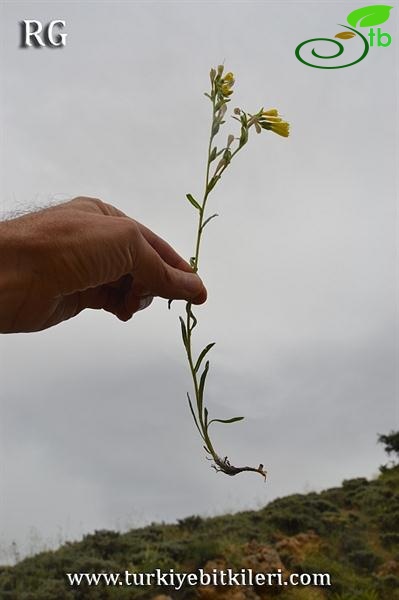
(300, 265)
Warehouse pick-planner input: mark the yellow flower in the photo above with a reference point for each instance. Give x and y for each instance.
(270, 119)
(226, 84)
(282, 128)
(226, 91)
(229, 78)
(272, 112)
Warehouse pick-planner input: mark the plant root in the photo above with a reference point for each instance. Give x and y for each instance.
(224, 466)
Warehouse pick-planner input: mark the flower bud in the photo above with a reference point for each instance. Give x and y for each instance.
(229, 78)
(230, 140)
(226, 89)
(221, 164)
(222, 110)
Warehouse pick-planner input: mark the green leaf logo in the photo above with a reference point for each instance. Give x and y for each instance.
(369, 15)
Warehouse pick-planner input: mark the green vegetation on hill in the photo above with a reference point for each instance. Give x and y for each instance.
(351, 532)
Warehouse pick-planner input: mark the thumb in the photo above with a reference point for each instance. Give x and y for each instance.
(164, 280)
(179, 284)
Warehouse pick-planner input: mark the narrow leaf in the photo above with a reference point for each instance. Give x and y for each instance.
(183, 331)
(206, 417)
(202, 355)
(192, 200)
(232, 420)
(212, 183)
(193, 413)
(244, 136)
(215, 128)
(207, 220)
(227, 155)
(201, 386)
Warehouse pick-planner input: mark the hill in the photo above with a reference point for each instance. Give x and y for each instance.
(350, 532)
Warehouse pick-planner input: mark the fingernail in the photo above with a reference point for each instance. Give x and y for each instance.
(145, 302)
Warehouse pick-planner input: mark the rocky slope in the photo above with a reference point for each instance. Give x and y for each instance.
(350, 532)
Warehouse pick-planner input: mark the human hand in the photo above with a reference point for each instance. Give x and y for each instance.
(85, 254)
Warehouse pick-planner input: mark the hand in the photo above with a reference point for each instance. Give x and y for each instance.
(85, 254)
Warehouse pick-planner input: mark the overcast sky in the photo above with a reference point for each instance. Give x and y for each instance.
(95, 429)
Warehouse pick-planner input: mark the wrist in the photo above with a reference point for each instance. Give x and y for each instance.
(15, 274)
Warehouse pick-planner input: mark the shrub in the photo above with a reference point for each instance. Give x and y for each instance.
(199, 551)
(364, 559)
(176, 550)
(190, 523)
(322, 506)
(389, 521)
(360, 595)
(103, 543)
(388, 540)
(354, 484)
(291, 522)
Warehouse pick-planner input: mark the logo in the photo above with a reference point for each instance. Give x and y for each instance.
(34, 34)
(368, 16)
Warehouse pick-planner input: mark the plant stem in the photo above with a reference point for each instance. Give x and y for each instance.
(201, 418)
(189, 322)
